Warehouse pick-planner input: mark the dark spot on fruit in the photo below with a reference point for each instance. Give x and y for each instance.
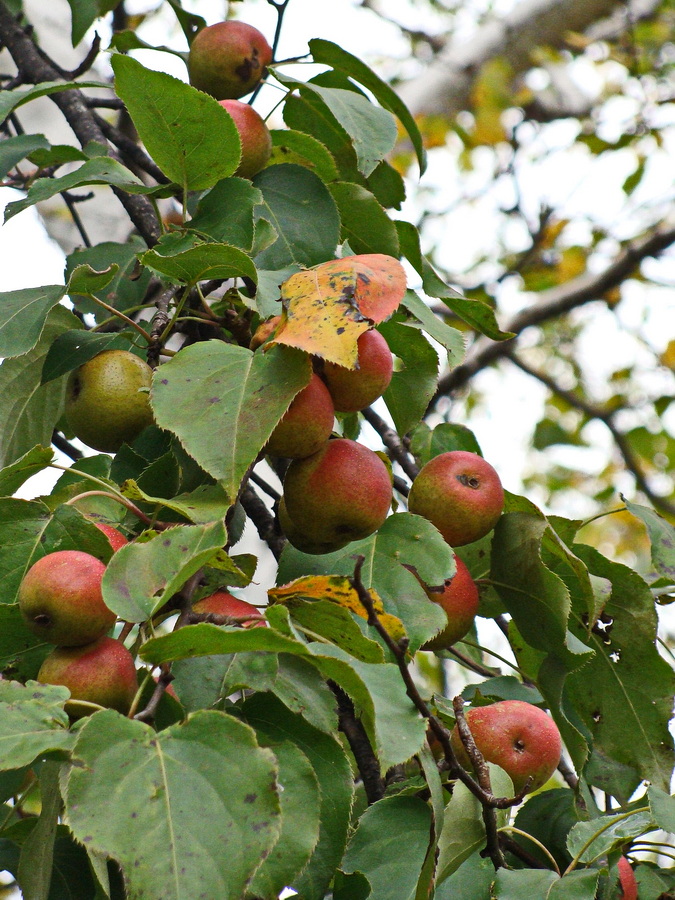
(43, 619)
(469, 481)
(247, 68)
(519, 746)
(75, 387)
(596, 716)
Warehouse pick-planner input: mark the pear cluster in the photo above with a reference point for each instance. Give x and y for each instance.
(61, 602)
(228, 60)
(335, 489)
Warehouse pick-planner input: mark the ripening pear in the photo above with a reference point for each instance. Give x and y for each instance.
(228, 59)
(460, 493)
(517, 736)
(61, 601)
(115, 537)
(354, 389)
(107, 400)
(222, 603)
(102, 672)
(306, 425)
(342, 493)
(255, 137)
(459, 601)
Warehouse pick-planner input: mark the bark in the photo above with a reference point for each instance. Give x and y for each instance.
(444, 87)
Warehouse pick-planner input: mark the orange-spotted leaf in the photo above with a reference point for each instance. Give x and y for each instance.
(380, 282)
(327, 308)
(337, 589)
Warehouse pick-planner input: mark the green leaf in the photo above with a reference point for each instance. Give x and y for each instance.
(14, 149)
(472, 881)
(329, 761)
(195, 809)
(84, 13)
(548, 816)
(101, 170)
(662, 807)
(464, 831)
(37, 853)
(591, 840)
(524, 883)
(412, 387)
(140, 578)
(474, 312)
(205, 639)
(403, 540)
(389, 846)
(239, 395)
(624, 693)
(333, 55)
(297, 147)
(201, 262)
(33, 722)
(30, 410)
(85, 280)
(207, 503)
(225, 213)
(365, 224)
(188, 134)
(22, 317)
(662, 537)
(11, 100)
(32, 462)
(299, 206)
(21, 652)
(398, 730)
(371, 129)
(429, 442)
(450, 338)
(300, 824)
(336, 624)
(73, 348)
(127, 289)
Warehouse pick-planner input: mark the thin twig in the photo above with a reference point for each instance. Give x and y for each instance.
(263, 520)
(353, 730)
(393, 443)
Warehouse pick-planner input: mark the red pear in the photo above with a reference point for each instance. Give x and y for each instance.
(101, 672)
(60, 599)
(255, 137)
(222, 603)
(115, 537)
(460, 493)
(517, 736)
(306, 425)
(228, 59)
(341, 493)
(459, 601)
(354, 389)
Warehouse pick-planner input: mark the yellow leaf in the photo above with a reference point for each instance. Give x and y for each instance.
(337, 589)
(668, 356)
(328, 307)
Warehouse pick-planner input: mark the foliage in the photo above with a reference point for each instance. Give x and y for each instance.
(312, 753)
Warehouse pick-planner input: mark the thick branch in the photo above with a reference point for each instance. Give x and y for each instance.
(34, 68)
(353, 730)
(444, 87)
(559, 300)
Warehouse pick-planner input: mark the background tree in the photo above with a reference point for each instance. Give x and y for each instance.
(332, 701)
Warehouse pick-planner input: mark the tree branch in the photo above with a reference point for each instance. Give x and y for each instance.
(444, 87)
(607, 418)
(35, 68)
(353, 730)
(559, 300)
(263, 520)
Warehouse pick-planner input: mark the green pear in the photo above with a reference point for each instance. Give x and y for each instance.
(107, 400)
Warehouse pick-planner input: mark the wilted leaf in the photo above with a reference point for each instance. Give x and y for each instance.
(328, 307)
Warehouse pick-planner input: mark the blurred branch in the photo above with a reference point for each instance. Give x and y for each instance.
(263, 520)
(557, 301)
(34, 67)
(607, 418)
(444, 87)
